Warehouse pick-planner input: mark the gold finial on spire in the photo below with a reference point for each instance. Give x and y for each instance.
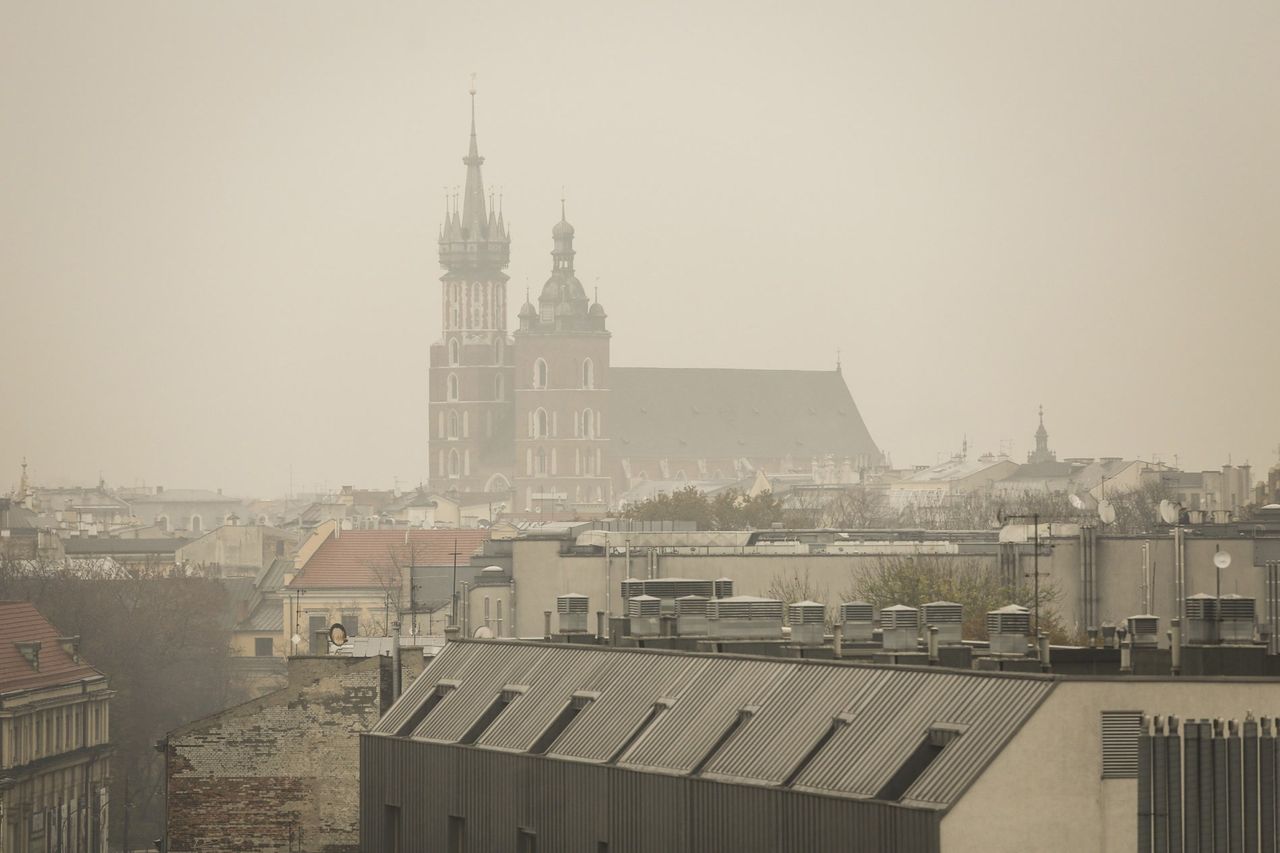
(472, 90)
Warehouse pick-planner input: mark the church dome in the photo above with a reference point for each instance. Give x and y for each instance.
(527, 310)
(597, 310)
(562, 230)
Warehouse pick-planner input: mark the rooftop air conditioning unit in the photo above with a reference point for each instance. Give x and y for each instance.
(722, 588)
(645, 615)
(1008, 629)
(857, 619)
(572, 608)
(808, 621)
(1144, 630)
(631, 587)
(899, 628)
(948, 618)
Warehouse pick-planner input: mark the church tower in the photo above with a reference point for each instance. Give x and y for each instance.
(471, 401)
(1042, 452)
(561, 382)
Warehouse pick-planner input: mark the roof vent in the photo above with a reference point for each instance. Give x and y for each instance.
(808, 621)
(746, 617)
(947, 617)
(691, 616)
(572, 608)
(899, 628)
(1008, 629)
(857, 619)
(632, 587)
(722, 588)
(1144, 630)
(1202, 616)
(30, 650)
(645, 615)
(1238, 615)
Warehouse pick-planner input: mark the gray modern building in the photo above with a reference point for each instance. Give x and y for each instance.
(509, 746)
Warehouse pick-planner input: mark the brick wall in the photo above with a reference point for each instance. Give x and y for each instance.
(278, 774)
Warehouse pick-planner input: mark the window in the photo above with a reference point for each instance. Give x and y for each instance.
(391, 828)
(499, 388)
(197, 524)
(162, 521)
(351, 622)
(540, 424)
(263, 647)
(457, 834)
(454, 464)
(540, 374)
(318, 633)
(453, 350)
(453, 425)
(588, 374)
(1120, 731)
(451, 391)
(588, 424)
(540, 462)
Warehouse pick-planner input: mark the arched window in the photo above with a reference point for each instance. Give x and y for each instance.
(588, 374)
(453, 463)
(452, 390)
(588, 424)
(162, 521)
(540, 374)
(453, 350)
(540, 423)
(540, 462)
(453, 425)
(455, 314)
(499, 387)
(197, 524)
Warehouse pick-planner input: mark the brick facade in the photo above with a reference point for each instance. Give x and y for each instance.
(278, 774)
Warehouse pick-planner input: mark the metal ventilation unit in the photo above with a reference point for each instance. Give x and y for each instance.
(857, 619)
(1237, 614)
(645, 615)
(691, 616)
(899, 628)
(573, 609)
(808, 621)
(631, 587)
(1008, 629)
(1144, 630)
(1202, 617)
(722, 588)
(947, 617)
(746, 617)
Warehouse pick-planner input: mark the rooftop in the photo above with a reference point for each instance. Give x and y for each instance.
(363, 558)
(20, 622)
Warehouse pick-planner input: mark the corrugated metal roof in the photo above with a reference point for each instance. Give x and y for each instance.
(888, 712)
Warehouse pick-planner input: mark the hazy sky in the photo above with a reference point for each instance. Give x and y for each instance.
(218, 219)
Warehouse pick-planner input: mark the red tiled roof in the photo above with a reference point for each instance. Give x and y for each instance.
(368, 558)
(20, 622)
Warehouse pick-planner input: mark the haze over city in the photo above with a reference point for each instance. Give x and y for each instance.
(221, 261)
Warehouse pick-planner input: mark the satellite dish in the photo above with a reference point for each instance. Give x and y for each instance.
(1106, 512)
(337, 634)
(483, 633)
(1222, 559)
(1076, 501)
(1168, 512)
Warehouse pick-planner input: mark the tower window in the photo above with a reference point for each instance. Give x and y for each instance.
(588, 424)
(453, 350)
(453, 425)
(454, 466)
(452, 389)
(499, 387)
(540, 462)
(588, 374)
(540, 374)
(540, 423)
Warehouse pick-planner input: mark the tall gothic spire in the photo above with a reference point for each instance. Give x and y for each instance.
(474, 218)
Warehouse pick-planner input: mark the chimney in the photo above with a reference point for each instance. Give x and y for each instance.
(30, 649)
(71, 645)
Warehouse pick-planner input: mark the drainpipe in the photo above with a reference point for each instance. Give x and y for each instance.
(511, 608)
(395, 661)
(1175, 647)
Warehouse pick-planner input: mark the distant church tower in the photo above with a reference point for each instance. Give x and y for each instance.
(1042, 452)
(471, 401)
(561, 382)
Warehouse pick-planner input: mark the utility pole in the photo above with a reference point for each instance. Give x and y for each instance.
(453, 590)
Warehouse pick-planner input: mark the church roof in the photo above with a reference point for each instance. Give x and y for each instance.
(695, 412)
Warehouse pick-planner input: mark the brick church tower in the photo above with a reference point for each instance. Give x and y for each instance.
(471, 400)
(561, 382)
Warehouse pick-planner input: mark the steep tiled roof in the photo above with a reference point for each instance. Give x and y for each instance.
(20, 622)
(714, 413)
(368, 558)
